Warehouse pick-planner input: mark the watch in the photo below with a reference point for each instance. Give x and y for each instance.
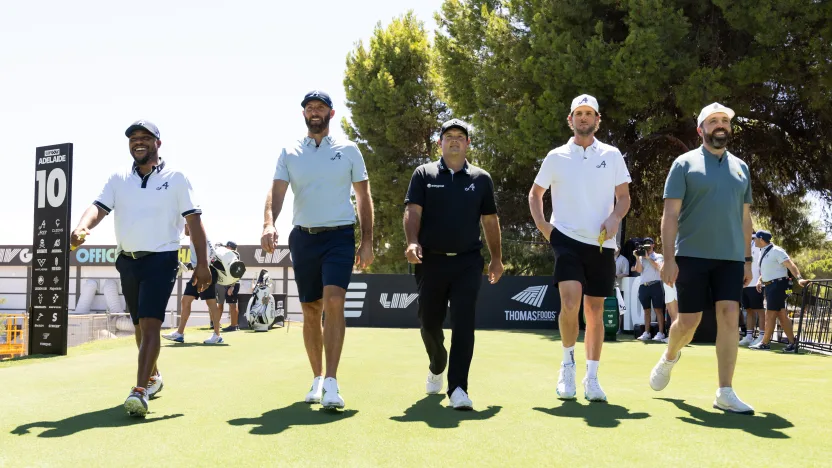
(749, 259)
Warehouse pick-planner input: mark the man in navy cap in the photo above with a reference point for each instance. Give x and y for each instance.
(152, 204)
(322, 171)
(775, 266)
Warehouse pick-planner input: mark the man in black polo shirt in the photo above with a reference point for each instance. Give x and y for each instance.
(445, 202)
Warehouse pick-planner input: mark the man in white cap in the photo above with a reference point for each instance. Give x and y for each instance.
(707, 213)
(590, 195)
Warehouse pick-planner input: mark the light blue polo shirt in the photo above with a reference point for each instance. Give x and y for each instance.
(713, 192)
(321, 178)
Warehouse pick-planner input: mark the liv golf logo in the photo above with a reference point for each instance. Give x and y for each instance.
(532, 296)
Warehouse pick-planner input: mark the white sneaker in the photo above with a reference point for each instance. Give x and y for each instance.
(566, 382)
(660, 376)
(666, 340)
(728, 401)
(757, 341)
(136, 403)
(644, 336)
(332, 395)
(215, 339)
(433, 385)
(593, 390)
(315, 391)
(460, 400)
(155, 385)
(660, 337)
(175, 336)
(746, 340)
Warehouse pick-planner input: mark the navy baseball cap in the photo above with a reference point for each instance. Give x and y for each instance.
(143, 125)
(764, 235)
(648, 240)
(316, 95)
(454, 123)
(231, 245)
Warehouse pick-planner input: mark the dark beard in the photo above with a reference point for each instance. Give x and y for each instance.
(146, 159)
(317, 129)
(718, 142)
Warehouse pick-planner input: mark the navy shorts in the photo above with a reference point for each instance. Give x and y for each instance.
(653, 293)
(147, 283)
(751, 299)
(223, 296)
(322, 259)
(776, 294)
(703, 281)
(209, 293)
(576, 261)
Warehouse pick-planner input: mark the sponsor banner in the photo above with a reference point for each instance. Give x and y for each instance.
(104, 255)
(48, 254)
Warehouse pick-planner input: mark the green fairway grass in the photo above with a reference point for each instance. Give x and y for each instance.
(241, 404)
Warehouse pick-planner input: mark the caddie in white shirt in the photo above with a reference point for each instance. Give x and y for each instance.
(590, 195)
(752, 300)
(151, 203)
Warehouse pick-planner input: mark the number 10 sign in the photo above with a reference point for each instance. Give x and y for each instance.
(50, 279)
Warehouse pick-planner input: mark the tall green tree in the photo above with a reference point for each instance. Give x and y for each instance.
(512, 67)
(392, 92)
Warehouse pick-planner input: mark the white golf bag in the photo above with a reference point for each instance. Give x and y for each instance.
(222, 259)
(262, 312)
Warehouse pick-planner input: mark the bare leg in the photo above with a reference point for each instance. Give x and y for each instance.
(681, 333)
(334, 327)
(313, 334)
(571, 293)
(727, 322)
(786, 323)
(594, 336)
(187, 301)
(233, 313)
(771, 322)
(148, 349)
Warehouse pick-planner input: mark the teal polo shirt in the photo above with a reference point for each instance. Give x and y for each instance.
(713, 191)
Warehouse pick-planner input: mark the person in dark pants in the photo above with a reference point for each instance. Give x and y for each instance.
(151, 204)
(446, 202)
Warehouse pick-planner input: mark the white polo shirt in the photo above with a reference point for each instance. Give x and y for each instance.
(772, 264)
(649, 273)
(583, 186)
(756, 252)
(321, 178)
(149, 210)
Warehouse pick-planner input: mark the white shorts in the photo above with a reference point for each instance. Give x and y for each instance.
(669, 293)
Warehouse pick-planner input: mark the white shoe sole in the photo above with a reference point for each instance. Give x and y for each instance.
(728, 410)
(312, 401)
(567, 397)
(463, 408)
(333, 405)
(135, 408)
(431, 392)
(153, 395)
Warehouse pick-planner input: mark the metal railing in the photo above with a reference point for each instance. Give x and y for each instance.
(813, 323)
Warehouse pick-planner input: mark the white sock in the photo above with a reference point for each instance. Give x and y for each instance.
(569, 355)
(592, 369)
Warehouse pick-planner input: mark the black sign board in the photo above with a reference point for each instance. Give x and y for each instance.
(50, 250)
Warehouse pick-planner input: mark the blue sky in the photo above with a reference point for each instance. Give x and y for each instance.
(223, 81)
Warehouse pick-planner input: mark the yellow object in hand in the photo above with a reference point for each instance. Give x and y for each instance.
(81, 237)
(601, 239)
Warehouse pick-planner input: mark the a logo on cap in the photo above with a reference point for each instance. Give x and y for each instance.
(586, 99)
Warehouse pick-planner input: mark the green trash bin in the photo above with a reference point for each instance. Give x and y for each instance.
(610, 318)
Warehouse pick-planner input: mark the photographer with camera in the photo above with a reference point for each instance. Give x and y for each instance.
(649, 264)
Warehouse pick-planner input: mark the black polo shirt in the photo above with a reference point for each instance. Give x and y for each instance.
(451, 205)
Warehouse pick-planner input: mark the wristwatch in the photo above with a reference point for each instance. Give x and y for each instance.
(749, 259)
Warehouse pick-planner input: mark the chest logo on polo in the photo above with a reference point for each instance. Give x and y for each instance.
(470, 188)
(435, 186)
(165, 186)
(603, 164)
(337, 156)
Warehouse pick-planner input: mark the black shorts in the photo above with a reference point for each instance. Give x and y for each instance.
(653, 293)
(209, 293)
(751, 299)
(704, 281)
(776, 294)
(323, 259)
(223, 296)
(576, 261)
(147, 283)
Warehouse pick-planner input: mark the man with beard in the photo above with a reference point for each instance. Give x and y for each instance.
(152, 203)
(586, 178)
(321, 171)
(446, 202)
(707, 212)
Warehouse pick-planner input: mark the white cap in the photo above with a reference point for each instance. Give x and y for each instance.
(584, 100)
(711, 109)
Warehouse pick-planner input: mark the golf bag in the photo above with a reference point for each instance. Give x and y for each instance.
(261, 312)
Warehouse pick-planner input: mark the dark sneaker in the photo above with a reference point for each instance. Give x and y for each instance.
(760, 347)
(231, 328)
(791, 348)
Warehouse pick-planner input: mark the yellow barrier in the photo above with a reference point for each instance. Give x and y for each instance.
(14, 328)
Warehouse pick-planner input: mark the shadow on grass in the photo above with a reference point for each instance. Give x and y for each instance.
(110, 417)
(595, 414)
(194, 344)
(297, 414)
(765, 425)
(431, 411)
